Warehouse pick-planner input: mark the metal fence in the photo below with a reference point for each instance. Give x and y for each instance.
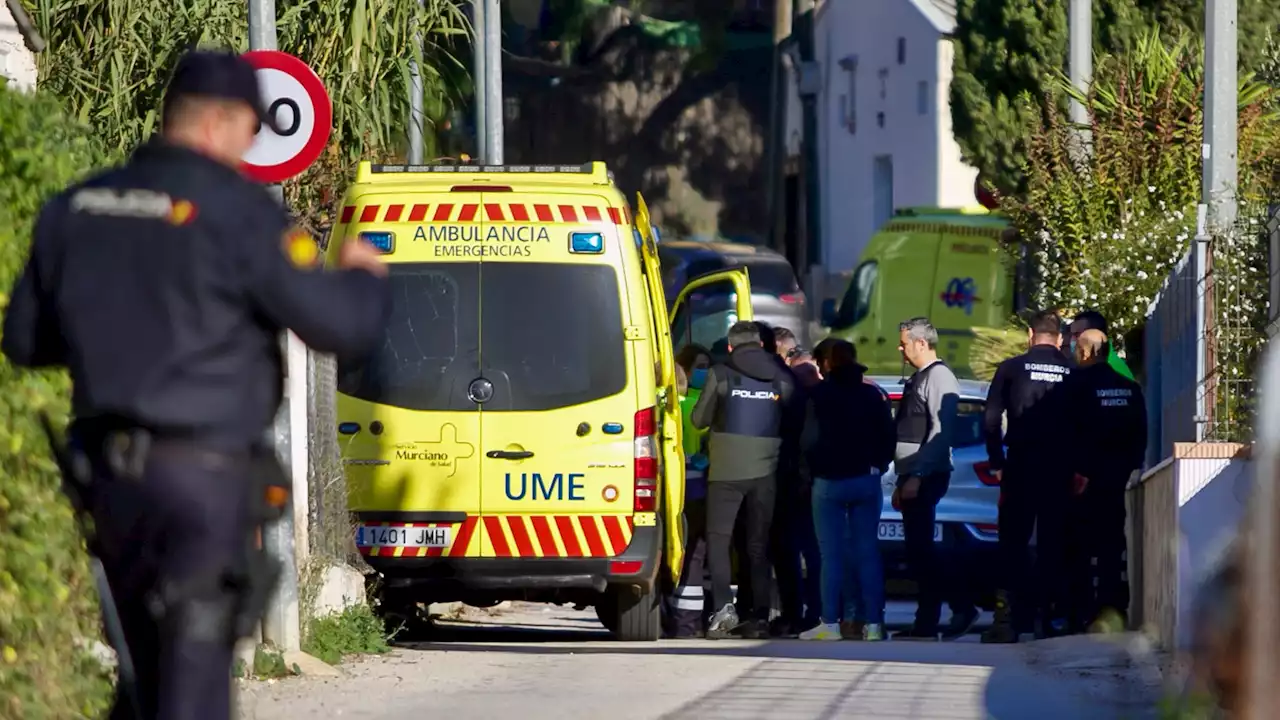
(1203, 335)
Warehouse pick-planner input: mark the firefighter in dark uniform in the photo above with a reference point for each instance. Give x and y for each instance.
(1035, 487)
(163, 285)
(1107, 419)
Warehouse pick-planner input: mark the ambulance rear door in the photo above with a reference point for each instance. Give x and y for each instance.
(559, 407)
(409, 432)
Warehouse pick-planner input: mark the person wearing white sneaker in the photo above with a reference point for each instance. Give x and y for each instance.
(848, 439)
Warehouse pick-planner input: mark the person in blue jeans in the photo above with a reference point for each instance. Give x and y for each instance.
(848, 440)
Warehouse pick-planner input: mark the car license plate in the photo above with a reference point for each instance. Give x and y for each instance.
(407, 537)
(895, 531)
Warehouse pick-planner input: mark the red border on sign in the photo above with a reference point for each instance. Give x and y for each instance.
(314, 87)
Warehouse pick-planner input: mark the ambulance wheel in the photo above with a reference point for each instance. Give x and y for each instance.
(638, 617)
(606, 611)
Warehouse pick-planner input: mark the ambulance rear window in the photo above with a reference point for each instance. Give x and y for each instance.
(431, 350)
(552, 334)
(546, 335)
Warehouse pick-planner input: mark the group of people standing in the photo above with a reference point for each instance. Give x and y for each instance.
(786, 452)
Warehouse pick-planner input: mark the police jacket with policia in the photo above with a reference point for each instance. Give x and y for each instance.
(1028, 388)
(745, 404)
(1106, 421)
(163, 286)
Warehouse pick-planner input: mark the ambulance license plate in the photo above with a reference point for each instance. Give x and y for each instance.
(408, 537)
(895, 531)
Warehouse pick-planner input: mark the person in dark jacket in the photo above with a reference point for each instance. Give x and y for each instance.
(744, 405)
(164, 285)
(1035, 487)
(1107, 422)
(849, 442)
(793, 543)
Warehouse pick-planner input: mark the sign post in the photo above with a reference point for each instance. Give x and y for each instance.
(296, 99)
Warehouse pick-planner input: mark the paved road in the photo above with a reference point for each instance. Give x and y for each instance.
(535, 662)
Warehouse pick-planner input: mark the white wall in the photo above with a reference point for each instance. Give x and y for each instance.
(17, 63)
(926, 162)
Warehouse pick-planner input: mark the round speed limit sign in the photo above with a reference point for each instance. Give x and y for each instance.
(295, 97)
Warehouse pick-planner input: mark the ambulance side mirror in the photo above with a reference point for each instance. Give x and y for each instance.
(828, 318)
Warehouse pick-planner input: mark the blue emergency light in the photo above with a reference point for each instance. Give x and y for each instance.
(586, 242)
(383, 241)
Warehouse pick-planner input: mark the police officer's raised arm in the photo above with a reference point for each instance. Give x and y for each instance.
(343, 312)
(993, 417)
(32, 331)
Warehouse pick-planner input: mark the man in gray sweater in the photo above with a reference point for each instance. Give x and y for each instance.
(922, 460)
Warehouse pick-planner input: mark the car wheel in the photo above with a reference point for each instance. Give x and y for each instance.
(637, 617)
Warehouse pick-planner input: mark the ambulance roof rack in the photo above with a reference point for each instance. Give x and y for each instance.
(596, 172)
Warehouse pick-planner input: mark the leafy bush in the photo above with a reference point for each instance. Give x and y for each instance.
(1106, 230)
(48, 604)
(353, 631)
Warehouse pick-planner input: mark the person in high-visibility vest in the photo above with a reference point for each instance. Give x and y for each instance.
(687, 606)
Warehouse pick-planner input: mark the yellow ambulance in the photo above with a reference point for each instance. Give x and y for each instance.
(943, 264)
(517, 434)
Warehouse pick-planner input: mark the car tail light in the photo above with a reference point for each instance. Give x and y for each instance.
(646, 461)
(792, 298)
(987, 528)
(625, 567)
(985, 475)
(480, 188)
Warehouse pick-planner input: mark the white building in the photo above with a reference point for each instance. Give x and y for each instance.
(884, 118)
(17, 62)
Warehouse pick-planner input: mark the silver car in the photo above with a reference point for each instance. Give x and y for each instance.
(966, 528)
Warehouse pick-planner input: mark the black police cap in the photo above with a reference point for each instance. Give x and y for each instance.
(221, 75)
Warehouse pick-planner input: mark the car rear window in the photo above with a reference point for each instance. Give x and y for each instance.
(968, 430)
(552, 335)
(772, 278)
(431, 350)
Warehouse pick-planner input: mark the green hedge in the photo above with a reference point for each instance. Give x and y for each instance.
(48, 604)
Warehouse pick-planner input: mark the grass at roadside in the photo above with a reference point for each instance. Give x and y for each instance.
(354, 631)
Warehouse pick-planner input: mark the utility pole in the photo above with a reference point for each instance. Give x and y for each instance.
(417, 117)
(281, 623)
(1218, 182)
(809, 82)
(775, 157)
(493, 106)
(479, 76)
(1080, 65)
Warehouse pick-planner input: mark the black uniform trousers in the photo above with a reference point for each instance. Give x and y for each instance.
(936, 580)
(793, 548)
(724, 499)
(1035, 496)
(1097, 551)
(175, 532)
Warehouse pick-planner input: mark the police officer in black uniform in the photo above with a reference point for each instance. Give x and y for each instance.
(1035, 486)
(745, 403)
(163, 285)
(1107, 419)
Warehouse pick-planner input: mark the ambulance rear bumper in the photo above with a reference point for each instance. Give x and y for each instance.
(446, 579)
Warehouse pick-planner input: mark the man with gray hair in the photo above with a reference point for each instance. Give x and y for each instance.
(743, 403)
(922, 460)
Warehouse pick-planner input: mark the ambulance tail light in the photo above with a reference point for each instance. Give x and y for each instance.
(985, 476)
(646, 461)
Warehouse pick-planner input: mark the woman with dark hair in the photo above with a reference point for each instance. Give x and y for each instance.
(849, 442)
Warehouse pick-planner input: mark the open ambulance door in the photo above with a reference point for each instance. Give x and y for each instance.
(671, 454)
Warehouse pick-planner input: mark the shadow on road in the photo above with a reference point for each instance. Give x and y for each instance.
(797, 679)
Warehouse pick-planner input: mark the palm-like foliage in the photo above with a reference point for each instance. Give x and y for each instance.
(109, 60)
